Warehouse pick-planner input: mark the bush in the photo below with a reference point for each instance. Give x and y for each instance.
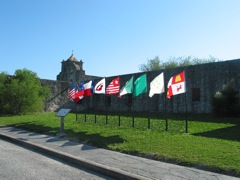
(226, 101)
(21, 93)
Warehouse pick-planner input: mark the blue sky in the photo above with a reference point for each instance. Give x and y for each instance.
(114, 37)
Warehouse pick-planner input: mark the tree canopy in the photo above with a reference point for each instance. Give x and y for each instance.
(173, 62)
(21, 93)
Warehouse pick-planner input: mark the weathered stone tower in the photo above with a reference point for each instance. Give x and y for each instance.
(72, 70)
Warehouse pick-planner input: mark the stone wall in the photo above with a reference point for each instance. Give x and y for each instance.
(202, 81)
(59, 94)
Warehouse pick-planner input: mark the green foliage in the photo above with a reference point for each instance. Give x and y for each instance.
(21, 93)
(151, 65)
(226, 101)
(173, 62)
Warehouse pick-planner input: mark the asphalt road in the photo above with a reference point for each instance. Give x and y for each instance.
(19, 163)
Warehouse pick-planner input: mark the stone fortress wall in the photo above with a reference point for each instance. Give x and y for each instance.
(202, 82)
(59, 94)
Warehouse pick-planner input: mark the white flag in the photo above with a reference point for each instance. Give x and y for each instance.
(100, 87)
(157, 85)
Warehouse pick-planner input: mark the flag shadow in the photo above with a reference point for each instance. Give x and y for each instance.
(229, 133)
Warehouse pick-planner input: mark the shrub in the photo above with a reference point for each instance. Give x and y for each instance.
(21, 93)
(226, 101)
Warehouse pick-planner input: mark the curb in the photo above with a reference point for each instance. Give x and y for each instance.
(100, 168)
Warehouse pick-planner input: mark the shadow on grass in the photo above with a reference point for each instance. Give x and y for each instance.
(35, 128)
(85, 137)
(213, 119)
(228, 133)
(94, 139)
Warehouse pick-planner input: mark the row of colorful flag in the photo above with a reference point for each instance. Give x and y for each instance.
(176, 85)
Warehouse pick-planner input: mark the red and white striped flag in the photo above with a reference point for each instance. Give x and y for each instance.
(71, 92)
(113, 87)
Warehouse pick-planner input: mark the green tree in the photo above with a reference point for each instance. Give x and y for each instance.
(151, 65)
(3, 79)
(22, 92)
(173, 62)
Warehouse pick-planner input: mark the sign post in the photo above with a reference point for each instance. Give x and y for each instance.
(62, 113)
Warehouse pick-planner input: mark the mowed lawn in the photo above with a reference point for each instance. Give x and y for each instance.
(211, 143)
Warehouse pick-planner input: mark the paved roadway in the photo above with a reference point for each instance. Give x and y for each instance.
(19, 163)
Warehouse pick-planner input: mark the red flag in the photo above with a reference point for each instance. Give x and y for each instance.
(113, 87)
(176, 85)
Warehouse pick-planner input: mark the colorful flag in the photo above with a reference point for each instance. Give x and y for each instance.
(100, 87)
(157, 85)
(127, 89)
(140, 85)
(80, 92)
(176, 85)
(113, 87)
(88, 88)
(71, 92)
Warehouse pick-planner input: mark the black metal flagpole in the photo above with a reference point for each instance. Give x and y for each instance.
(106, 106)
(165, 104)
(132, 112)
(186, 103)
(119, 116)
(148, 114)
(95, 116)
(75, 106)
(186, 112)
(95, 112)
(85, 113)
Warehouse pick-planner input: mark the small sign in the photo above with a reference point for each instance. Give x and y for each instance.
(63, 112)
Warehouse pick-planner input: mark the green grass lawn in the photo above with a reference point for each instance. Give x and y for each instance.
(211, 143)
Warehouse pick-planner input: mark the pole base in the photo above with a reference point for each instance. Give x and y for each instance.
(61, 135)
